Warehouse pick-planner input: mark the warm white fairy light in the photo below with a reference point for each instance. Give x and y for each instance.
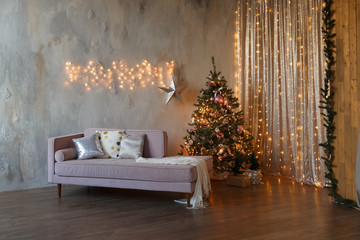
(253, 46)
(120, 75)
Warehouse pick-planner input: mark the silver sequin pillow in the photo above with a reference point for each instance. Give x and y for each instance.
(88, 147)
(132, 146)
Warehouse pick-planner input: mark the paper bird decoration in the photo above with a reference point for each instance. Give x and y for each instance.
(172, 90)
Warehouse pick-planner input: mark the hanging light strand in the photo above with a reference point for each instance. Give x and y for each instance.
(119, 76)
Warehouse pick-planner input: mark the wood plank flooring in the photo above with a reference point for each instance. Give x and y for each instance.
(277, 209)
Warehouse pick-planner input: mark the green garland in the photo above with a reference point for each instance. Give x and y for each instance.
(327, 103)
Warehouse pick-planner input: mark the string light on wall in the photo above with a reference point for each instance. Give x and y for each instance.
(119, 76)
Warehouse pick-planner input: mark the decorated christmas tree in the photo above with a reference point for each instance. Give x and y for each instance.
(218, 130)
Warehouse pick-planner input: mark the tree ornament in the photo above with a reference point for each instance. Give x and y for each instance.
(203, 150)
(191, 142)
(217, 130)
(212, 84)
(205, 122)
(240, 129)
(219, 136)
(219, 99)
(221, 150)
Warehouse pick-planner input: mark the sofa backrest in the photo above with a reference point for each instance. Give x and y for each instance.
(155, 143)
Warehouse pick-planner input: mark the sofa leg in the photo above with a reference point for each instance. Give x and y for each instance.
(188, 196)
(59, 190)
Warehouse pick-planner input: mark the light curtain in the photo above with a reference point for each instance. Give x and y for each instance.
(280, 71)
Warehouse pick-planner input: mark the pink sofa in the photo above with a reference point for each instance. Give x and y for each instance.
(122, 173)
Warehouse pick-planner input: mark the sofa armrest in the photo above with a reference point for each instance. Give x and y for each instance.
(55, 144)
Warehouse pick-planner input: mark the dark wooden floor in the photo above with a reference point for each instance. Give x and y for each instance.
(277, 209)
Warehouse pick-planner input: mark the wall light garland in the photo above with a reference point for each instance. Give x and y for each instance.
(119, 76)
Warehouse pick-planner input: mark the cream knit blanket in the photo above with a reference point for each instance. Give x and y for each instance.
(202, 185)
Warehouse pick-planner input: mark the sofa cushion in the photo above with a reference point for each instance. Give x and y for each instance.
(110, 142)
(155, 143)
(65, 154)
(126, 169)
(88, 147)
(132, 146)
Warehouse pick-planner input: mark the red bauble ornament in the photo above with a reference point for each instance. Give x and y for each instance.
(212, 84)
(219, 136)
(219, 99)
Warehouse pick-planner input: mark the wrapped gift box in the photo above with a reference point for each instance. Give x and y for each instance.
(238, 180)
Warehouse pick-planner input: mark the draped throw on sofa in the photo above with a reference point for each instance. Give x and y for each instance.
(280, 70)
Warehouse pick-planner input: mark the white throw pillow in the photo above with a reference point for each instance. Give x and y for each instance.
(132, 146)
(110, 142)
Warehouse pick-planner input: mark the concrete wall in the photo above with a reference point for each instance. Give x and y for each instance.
(39, 36)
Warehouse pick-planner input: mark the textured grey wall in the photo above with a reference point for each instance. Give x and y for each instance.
(37, 37)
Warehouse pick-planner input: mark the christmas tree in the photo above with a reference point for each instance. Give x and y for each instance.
(218, 130)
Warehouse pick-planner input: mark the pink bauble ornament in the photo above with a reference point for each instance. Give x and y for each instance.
(225, 155)
(191, 142)
(219, 99)
(240, 129)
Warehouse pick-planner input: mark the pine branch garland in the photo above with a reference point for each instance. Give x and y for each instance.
(327, 104)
